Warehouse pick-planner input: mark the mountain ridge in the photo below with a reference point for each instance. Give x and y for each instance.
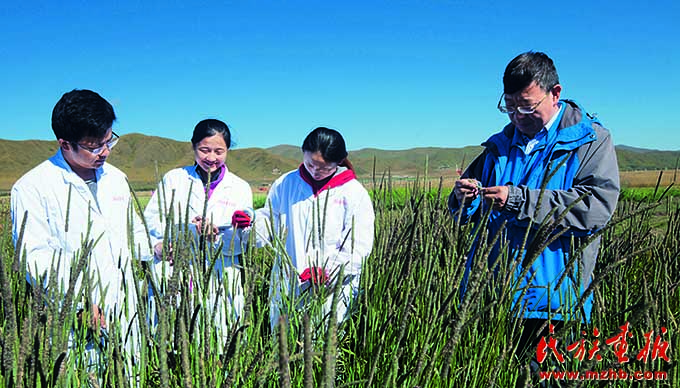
(144, 158)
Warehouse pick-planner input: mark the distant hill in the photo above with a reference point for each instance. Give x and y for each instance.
(287, 151)
(631, 158)
(440, 161)
(138, 155)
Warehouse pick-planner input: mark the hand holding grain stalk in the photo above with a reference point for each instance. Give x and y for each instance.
(202, 227)
(498, 195)
(158, 252)
(97, 320)
(467, 189)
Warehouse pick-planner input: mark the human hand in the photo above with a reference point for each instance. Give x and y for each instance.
(98, 318)
(496, 194)
(203, 227)
(466, 188)
(158, 252)
(242, 218)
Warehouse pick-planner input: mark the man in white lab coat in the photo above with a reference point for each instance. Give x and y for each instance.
(75, 198)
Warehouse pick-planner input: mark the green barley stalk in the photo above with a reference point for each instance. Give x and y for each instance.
(163, 330)
(76, 271)
(330, 345)
(115, 354)
(502, 363)
(184, 349)
(140, 273)
(631, 252)
(308, 379)
(11, 332)
(284, 371)
(623, 257)
(378, 352)
(232, 354)
(27, 329)
(257, 359)
(39, 340)
(394, 369)
(68, 208)
(202, 378)
(474, 288)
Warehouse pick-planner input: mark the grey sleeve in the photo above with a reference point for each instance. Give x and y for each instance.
(598, 175)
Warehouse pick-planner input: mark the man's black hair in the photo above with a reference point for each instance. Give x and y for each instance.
(528, 67)
(82, 113)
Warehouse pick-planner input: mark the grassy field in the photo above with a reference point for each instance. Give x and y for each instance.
(409, 327)
(648, 178)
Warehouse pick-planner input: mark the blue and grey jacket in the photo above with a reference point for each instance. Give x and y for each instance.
(583, 153)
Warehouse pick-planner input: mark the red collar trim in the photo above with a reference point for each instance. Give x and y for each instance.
(335, 181)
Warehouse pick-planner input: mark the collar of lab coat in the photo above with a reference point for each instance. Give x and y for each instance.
(225, 182)
(59, 160)
(70, 177)
(341, 177)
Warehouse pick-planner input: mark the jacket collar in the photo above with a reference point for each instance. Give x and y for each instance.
(68, 173)
(573, 130)
(73, 179)
(340, 178)
(193, 174)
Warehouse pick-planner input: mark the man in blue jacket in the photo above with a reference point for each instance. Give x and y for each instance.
(545, 135)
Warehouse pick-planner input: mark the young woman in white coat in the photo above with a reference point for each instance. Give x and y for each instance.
(216, 202)
(327, 219)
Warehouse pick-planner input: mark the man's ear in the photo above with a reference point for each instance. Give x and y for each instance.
(65, 145)
(556, 91)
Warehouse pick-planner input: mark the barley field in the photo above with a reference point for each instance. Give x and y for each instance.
(410, 325)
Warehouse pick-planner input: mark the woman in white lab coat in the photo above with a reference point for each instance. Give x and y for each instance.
(184, 193)
(328, 220)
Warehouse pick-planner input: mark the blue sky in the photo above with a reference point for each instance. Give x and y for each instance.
(390, 75)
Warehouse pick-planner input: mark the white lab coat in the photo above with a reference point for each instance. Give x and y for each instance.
(57, 224)
(342, 235)
(231, 194)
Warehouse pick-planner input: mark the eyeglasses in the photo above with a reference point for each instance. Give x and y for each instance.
(525, 110)
(108, 144)
(330, 167)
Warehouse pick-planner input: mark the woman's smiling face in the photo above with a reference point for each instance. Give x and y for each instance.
(211, 153)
